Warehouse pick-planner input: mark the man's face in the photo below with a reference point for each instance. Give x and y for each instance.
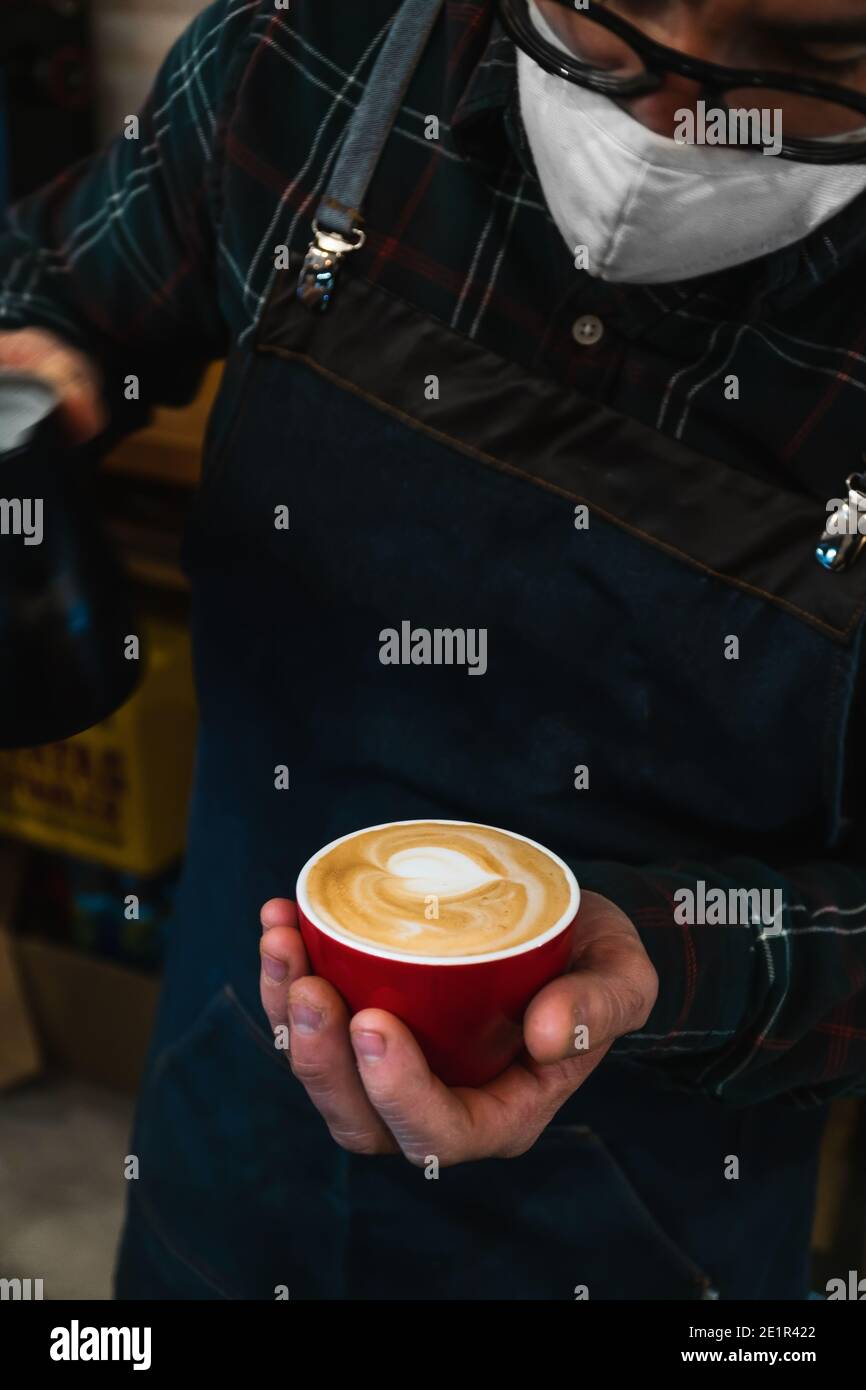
(822, 40)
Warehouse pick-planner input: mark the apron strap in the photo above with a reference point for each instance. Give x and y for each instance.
(336, 226)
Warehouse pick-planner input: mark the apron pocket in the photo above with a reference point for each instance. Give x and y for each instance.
(239, 1179)
(560, 1219)
(244, 1192)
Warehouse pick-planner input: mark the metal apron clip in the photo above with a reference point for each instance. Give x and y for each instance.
(335, 229)
(842, 540)
(321, 266)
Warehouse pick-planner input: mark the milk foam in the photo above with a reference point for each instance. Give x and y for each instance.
(438, 889)
(435, 869)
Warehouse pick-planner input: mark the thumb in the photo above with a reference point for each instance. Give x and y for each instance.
(610, 991)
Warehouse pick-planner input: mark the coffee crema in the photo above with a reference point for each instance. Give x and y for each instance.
(438, 890)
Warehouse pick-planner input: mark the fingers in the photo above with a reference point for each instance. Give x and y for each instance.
(73, 375)
(323, 1060)
(283, 959)
(278, 912)
(610, 991)
(429, 1120)
(319, 1050)
(426, 1118)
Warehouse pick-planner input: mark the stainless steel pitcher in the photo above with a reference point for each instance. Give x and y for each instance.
(65, 613)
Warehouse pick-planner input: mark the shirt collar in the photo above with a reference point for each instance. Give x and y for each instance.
(482, 87)
(485, 126)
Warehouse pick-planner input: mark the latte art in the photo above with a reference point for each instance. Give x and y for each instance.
(435, 889)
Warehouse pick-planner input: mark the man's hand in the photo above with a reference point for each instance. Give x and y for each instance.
(367, 1075)
(74, 377)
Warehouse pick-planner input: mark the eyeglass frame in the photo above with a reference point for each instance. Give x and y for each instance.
(714, 78)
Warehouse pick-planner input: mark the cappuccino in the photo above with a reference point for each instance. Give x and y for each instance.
(434, 888)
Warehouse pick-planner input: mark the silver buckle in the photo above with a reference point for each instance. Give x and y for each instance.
(843, 538)
(318, 277)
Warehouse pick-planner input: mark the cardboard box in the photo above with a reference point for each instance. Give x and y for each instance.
(92, 1017)
(116, 794)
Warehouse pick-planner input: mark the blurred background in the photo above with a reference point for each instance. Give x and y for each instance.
(92, 829)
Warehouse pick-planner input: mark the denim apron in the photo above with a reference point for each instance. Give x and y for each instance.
(456, 509)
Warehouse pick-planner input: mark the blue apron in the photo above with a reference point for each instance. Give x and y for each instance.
(456, 508)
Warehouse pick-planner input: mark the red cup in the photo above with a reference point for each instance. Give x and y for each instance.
(466, 1012)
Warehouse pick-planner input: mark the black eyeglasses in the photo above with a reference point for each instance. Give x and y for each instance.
(820, 122)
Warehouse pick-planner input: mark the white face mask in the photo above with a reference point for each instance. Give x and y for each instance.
(650, 210)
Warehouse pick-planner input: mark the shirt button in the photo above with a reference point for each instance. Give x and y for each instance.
(587, 330)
